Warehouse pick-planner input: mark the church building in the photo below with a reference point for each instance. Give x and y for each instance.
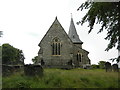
(61, 50)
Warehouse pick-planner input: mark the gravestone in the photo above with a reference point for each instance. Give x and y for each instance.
(33, 70)
(108, 66)
(115, 68)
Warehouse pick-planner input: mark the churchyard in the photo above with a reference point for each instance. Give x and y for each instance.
(60, 78)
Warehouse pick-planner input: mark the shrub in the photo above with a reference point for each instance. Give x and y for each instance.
(94, 66)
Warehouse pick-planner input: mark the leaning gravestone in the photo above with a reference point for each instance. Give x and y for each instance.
(33, 70)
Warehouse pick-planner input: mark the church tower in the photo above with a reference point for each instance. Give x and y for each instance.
(80, 56)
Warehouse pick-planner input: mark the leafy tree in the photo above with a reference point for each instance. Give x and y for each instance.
(102, 64)
(0, 54)
(20, 57)
(11, 55)
(1, 33)
(1, 47)
(107, 14)
(35, 59)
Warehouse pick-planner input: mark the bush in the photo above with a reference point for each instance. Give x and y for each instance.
(94, 66)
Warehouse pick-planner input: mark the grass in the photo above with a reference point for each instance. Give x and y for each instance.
(0, 81)
(58, 78)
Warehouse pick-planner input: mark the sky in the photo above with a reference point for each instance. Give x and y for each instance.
(25, 22)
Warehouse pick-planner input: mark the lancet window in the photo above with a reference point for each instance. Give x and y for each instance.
(56, 46)
(79, 57)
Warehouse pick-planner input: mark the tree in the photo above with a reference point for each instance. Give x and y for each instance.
(1, 47)
(102, 64)
(0, 54)
(35, 59)
(107, 14)
(1, 33)
(11, 55)
(20, 56)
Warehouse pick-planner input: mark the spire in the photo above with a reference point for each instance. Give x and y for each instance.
(73, 33)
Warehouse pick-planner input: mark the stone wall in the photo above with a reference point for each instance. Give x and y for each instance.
(84, 56)
(11, 69)
(29, 70)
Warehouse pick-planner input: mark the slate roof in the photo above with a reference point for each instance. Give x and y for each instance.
(73, 33)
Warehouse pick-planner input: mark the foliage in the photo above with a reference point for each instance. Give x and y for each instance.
(0, 54)
(117, 59)
(102, 64)
(20, 56)
(1, 33)
(11, 55)
(94, 66)
(107, 14)
(35, 59)
(58, 78)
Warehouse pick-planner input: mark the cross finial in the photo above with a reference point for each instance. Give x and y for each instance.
(56, 17)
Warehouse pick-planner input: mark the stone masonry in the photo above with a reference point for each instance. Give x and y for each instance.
(61, 50)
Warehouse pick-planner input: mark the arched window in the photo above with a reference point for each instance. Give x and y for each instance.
(79, 57)
(56, 46)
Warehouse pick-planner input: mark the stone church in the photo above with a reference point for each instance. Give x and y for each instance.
(61, 50)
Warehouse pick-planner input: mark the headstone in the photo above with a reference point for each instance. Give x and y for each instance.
(33, 70)
(115, 68)
(108, 66)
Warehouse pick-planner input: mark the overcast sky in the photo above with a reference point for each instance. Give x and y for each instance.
(25, 22)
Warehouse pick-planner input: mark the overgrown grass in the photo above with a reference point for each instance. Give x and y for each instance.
(0, 81)
(58, 78)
